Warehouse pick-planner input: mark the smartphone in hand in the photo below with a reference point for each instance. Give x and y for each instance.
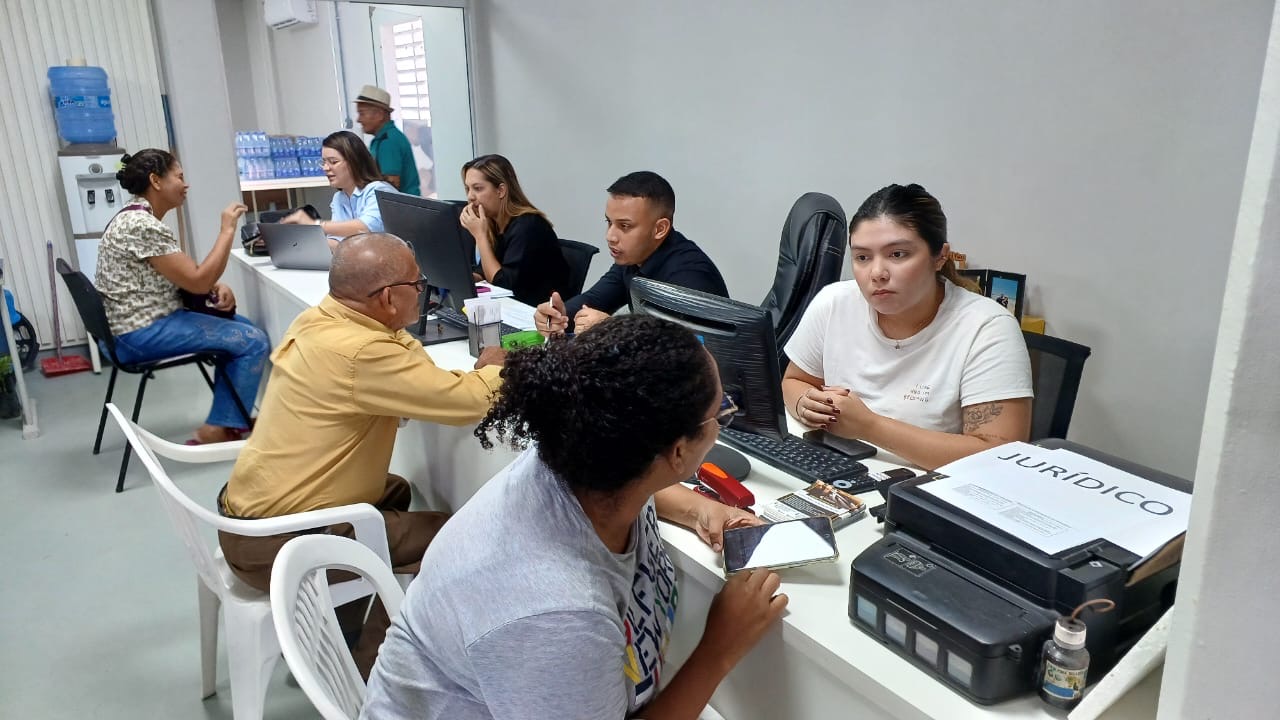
(779, 545)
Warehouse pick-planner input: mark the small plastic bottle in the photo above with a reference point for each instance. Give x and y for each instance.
(1064, 664)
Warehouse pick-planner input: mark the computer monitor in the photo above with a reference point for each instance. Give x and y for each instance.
(739, 336)
(442, 246)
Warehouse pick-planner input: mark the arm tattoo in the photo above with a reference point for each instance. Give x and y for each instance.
(978, 415)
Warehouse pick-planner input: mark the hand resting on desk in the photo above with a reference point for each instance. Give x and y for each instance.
(820, 408)
(588, 317)
(492, 355)
(708, 518)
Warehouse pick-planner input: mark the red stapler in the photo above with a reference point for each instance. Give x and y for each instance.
(727, 489)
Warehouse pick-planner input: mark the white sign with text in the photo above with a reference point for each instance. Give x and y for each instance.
(1057, 499)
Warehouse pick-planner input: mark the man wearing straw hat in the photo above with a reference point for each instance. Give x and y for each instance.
(390, 147)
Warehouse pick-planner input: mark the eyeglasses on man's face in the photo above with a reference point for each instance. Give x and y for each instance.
(420, 285)
(724, 416)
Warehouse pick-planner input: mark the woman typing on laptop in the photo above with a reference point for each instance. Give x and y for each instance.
(903, 356)
(352, 171)
(140, 271)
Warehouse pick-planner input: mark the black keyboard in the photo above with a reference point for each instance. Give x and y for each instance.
(805, 460)
(449, 316)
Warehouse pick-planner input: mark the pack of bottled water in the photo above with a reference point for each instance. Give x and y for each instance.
(253, 155)
(286, 167)
(282, 146)
(309, 155)
(309, 146)
(260, 156)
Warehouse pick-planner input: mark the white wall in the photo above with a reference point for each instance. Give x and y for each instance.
(196, 85)
(451, 111)
(302, 60)
(238, 61)
(1096, 146)
(293, 84)
(262, 85)
(1224, 629)
(35, 35)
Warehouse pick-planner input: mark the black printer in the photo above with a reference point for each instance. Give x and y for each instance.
(973, 606)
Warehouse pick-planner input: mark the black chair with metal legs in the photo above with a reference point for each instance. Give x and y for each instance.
(1056, 367)
(94, 316)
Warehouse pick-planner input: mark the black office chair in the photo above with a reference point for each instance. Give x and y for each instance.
(94, 316)
(1056, 367)
(810, 257)
(578, 255)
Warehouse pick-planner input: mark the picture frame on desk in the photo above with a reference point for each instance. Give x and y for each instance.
(976, 276)
(1007, 289)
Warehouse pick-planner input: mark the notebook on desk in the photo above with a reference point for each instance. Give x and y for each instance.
(296, 247)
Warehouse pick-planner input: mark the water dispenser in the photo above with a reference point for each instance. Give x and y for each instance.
(93, 196)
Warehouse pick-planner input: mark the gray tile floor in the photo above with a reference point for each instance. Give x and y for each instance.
(97, 596)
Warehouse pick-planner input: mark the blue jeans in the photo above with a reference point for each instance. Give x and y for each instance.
(184, 331)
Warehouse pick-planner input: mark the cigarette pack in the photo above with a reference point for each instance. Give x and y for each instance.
(817, 500)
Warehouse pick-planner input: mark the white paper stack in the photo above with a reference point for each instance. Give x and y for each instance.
(492, 291)
(1057, 499)
(518, 315)
(482, 311)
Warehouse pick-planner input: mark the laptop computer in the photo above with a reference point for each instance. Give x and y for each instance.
(296, 247)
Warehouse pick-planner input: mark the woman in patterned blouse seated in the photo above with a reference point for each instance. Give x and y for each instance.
(550, 593)
(141, 268)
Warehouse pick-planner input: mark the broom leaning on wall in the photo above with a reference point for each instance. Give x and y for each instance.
(59, 365)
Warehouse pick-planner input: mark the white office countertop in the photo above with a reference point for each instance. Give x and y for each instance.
(848, 667)
(817, 620)
(284, 183)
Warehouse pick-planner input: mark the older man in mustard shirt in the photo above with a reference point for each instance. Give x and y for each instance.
(343, 376)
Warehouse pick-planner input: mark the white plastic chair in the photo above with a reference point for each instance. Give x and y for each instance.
(252, 648)
(307, 626)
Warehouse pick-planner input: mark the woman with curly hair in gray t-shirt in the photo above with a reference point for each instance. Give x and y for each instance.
(550, 593)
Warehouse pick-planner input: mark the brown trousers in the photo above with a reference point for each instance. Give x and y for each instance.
(408, 534)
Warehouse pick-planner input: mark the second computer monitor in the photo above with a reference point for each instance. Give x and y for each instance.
(444, 249)
(739, 336)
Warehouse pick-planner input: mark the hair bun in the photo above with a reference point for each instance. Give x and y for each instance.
(126, 159)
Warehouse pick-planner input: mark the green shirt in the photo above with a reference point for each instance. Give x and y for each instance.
(391, 151)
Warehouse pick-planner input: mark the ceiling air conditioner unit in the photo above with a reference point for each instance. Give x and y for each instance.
(281, 14)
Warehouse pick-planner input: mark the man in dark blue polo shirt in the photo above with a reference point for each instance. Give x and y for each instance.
(643, 243)
(390, 147)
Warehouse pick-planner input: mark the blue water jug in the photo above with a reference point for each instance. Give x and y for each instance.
(82, 104)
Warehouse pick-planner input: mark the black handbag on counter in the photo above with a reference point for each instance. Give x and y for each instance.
(251, 240)
(251, 237)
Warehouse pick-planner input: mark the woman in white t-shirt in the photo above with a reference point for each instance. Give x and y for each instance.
(904, 356)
